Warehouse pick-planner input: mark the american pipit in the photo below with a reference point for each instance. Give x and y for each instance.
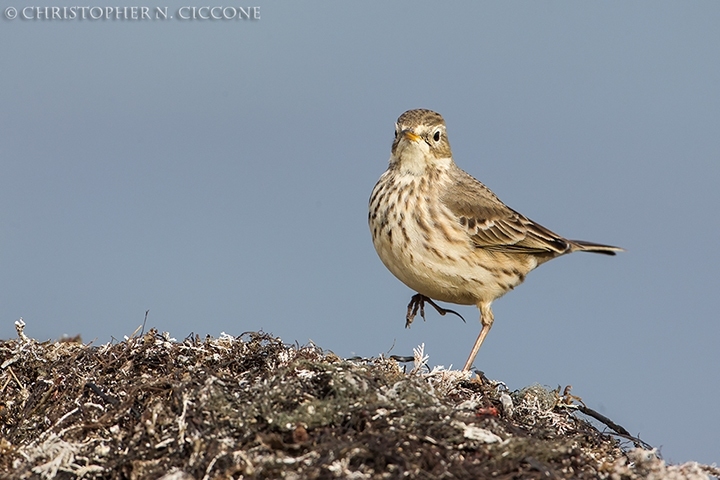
(446, 235)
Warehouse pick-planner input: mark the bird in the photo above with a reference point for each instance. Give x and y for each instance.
(446, 235)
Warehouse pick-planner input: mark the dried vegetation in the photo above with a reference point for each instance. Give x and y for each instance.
(254, 407)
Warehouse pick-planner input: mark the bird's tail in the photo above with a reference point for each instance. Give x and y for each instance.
(582, 246)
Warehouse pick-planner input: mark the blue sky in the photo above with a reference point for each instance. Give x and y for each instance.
(217, 173)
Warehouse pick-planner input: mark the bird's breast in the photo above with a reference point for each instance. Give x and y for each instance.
(423, 244)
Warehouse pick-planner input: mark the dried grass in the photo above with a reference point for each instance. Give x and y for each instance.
(254, 407)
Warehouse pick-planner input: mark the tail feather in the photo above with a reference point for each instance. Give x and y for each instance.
(582, 246)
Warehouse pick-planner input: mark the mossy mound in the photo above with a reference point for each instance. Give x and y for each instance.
(254, 407)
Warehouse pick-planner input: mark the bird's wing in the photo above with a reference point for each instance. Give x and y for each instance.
(492, 225)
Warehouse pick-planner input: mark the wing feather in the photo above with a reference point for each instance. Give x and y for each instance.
(492, 225)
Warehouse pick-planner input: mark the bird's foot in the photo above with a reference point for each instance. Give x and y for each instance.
(417, 304)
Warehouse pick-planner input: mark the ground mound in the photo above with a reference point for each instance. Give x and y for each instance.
(254, 407)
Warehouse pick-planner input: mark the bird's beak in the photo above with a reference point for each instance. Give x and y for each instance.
(411, 136)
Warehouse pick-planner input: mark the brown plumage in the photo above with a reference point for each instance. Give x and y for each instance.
(445, 234)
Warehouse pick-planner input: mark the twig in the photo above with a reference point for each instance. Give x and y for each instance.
(12, 373)
(618, 429)
(98, 391)
(144, 322)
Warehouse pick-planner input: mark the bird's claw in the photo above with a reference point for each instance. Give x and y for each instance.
(417, 304)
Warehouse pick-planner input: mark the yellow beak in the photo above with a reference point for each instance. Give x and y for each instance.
(411, 136)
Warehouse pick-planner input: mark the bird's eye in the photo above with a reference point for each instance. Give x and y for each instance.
(436, 136)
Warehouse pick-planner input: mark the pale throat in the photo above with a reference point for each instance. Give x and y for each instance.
(415, 160)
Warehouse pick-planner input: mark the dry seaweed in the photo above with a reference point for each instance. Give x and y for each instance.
(254, 407)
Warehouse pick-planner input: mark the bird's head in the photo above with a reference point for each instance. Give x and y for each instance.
(420, 142)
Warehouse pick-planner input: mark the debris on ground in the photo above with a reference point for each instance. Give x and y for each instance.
(253, 407)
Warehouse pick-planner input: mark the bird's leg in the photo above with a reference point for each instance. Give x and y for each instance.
(486, 319)
(443, 311)
(417, 302)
